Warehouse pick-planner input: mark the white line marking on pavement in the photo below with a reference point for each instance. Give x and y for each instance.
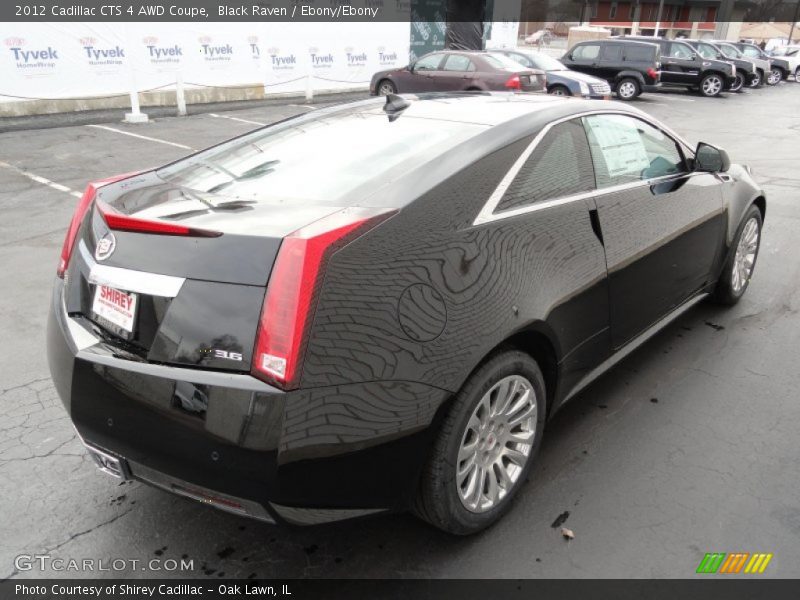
(672, 97)
(142, 137)
(42, 180)
(303, 106)
(216, 116)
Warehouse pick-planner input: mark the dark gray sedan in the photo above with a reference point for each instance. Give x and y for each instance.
(561, 81)
(457, 71)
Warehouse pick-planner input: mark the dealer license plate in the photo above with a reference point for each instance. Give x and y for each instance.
(115, 306)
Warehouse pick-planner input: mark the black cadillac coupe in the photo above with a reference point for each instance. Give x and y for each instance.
(377, 306)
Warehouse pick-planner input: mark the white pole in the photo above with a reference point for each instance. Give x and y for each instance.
(136, 115)
(658, 17)
(179, 95)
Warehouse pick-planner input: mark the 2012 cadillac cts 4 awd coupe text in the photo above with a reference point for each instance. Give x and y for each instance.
(377, 306)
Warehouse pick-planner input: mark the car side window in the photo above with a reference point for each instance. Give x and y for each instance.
(679, 51)
(586, 52)
(639, 54)
(612, 52)
(626, 149)
(428, 63)
(750, 51)
(457, 62)
(559, 166)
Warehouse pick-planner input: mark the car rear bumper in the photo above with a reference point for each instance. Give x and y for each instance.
(232, 441)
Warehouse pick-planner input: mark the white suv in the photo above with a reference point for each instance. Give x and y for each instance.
(791, 54)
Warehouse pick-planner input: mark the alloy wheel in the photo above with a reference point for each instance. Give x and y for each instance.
(738, 84)
(712, 85)
(756, 81)
(627, 89)
(497, 443)
(745, 255)
(386, 88)
(774, 77)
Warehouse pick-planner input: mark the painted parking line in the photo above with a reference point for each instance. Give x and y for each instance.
(142, 137)
(216, 116)
(41, 180)
(676, 99)
(303, 106)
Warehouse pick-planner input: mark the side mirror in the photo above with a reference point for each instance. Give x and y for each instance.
(711, 159)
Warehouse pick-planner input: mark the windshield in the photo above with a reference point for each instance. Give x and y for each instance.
(729, 51)
(318, 160)
(545, 63)
(502, 62)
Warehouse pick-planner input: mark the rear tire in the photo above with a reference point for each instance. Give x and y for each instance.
(738, 84)
(386, 87)
(775, 77)
(741, 261)
(559, 90)
(628, 89)
(495, 423)
(758, 79)
(797, 74)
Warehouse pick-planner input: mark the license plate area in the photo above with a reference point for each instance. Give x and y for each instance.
(115, 310)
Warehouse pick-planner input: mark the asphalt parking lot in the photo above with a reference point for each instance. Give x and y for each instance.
(689, 446)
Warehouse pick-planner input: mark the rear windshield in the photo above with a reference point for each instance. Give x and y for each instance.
(318, 160)
(502, 62)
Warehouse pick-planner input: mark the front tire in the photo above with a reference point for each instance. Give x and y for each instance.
(775, 77)
(711, 85)
(386, 87)
(559, 90)
(758, 79)
(738, 84)
(797, 74)
(628, 89)
(741, 261)
(486, 445)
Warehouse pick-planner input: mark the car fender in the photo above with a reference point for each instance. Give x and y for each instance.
(738, 197)
(629, 73)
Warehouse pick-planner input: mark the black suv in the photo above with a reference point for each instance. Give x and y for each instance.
(746, 71)
(630, 67)
(682, 66)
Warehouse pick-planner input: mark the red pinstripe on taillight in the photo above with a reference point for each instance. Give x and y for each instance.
(292, 291)
(120, 222)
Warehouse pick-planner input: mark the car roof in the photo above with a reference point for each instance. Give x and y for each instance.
(485, 108)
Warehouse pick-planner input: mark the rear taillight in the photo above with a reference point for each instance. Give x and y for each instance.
(119, 222)
(77, 218)
(652, 73)
(291, 295)
(513, 83)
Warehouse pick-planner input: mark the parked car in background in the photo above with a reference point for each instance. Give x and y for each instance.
(732, 52)
(777, 69)
(561, 81)
(791, 54)
(540, 37)
(343, 314)
(457, 71)
(629, 67)
(683, 67)
(746, 71)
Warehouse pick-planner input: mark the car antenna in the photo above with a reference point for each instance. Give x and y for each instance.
(395, 103)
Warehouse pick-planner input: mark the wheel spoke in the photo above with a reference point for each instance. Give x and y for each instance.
(515, 456)
(492, 489)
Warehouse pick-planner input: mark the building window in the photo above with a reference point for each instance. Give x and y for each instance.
(612, 12)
